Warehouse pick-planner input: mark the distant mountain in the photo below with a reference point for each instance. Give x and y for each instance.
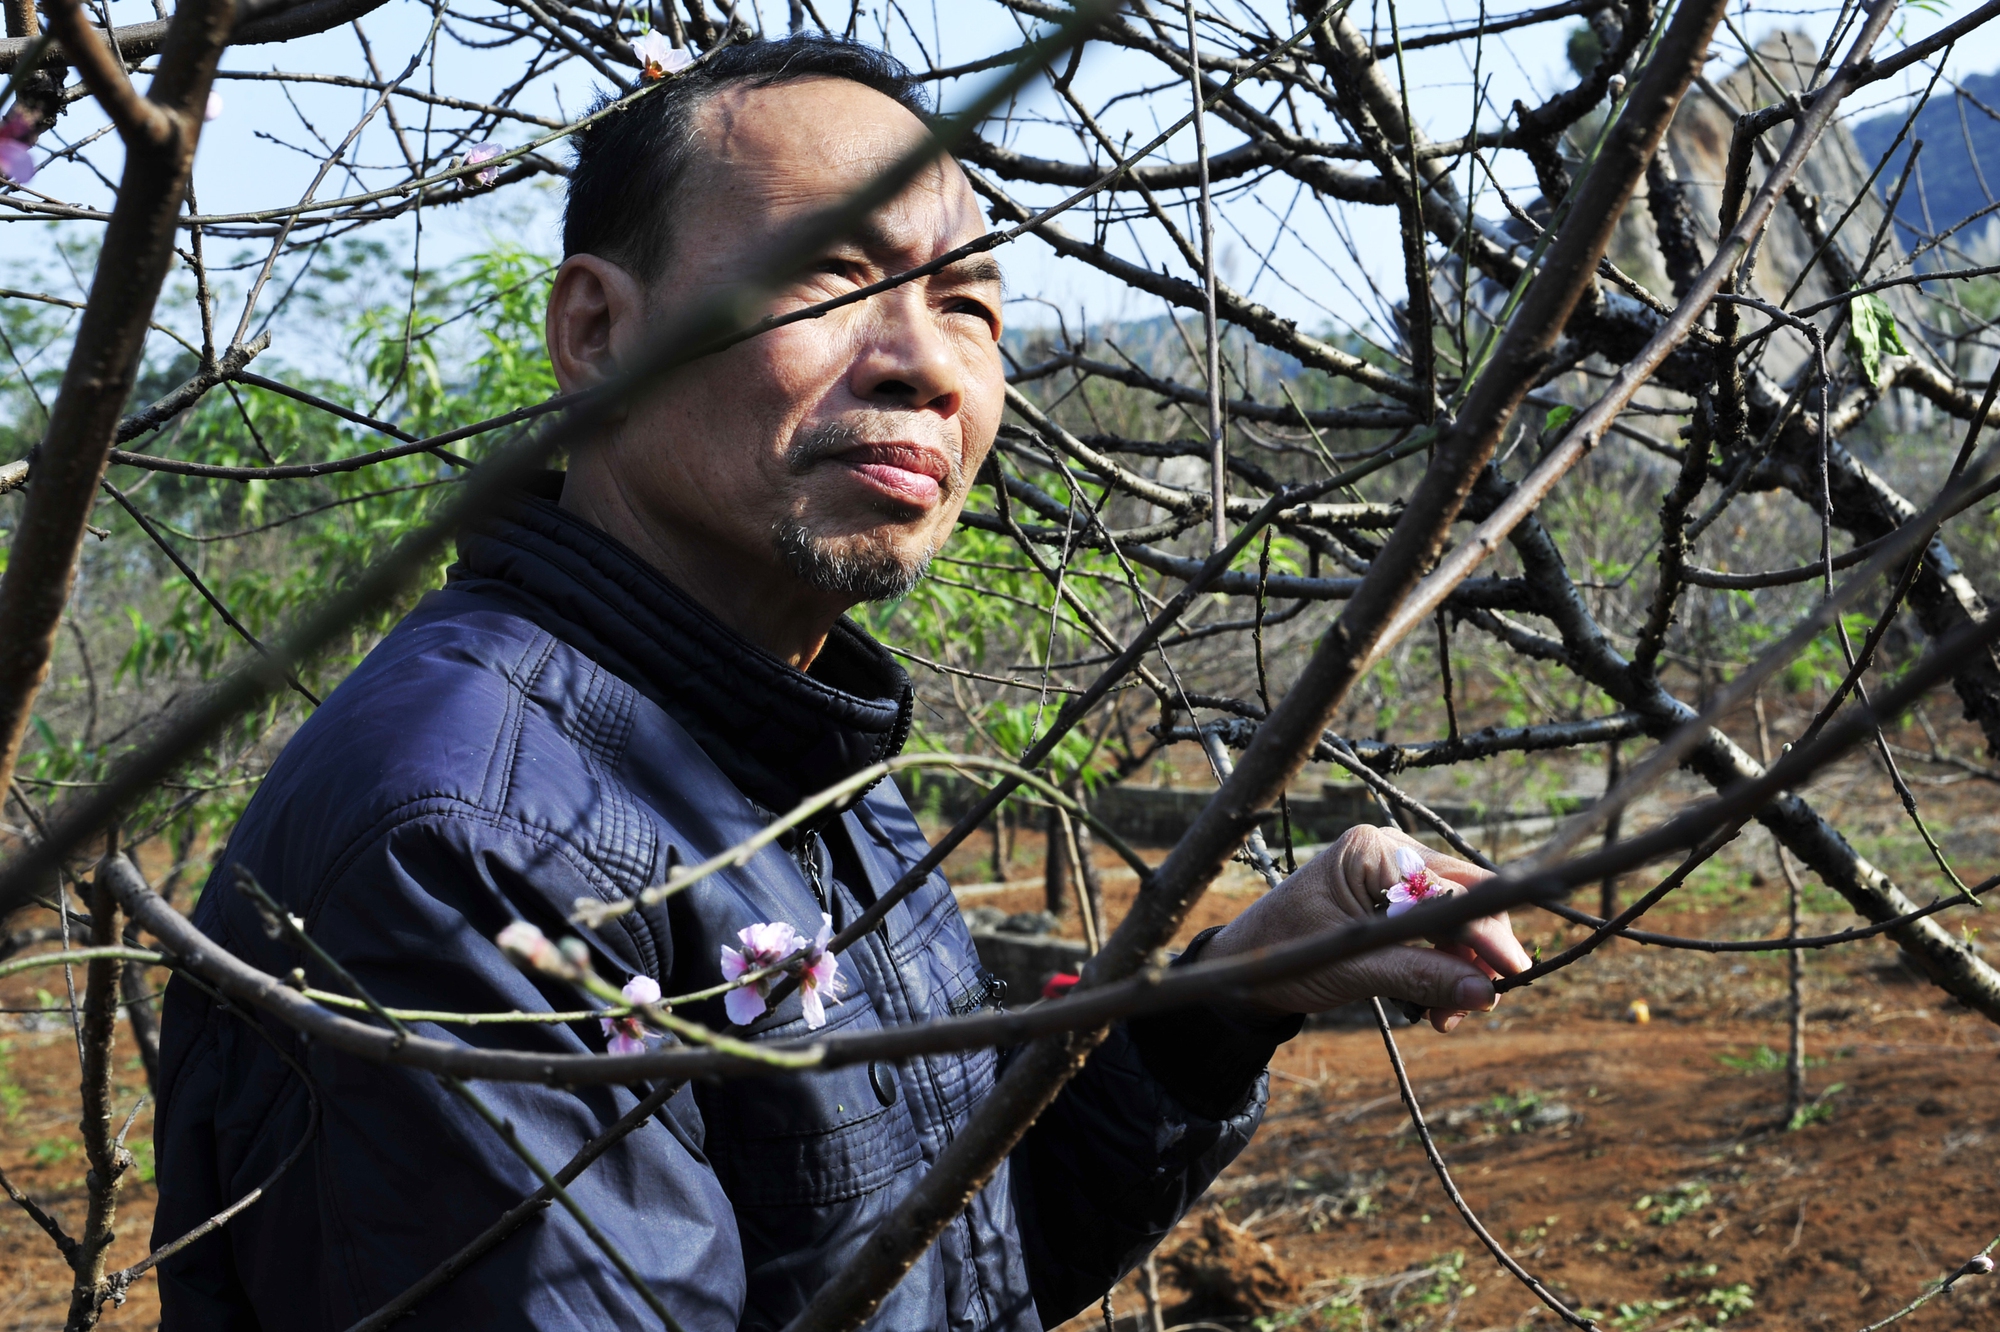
(1157, 349)
(1951, 166)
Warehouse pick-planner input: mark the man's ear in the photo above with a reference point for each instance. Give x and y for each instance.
(594, 318)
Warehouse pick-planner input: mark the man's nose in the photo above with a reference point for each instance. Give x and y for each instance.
(904, 359)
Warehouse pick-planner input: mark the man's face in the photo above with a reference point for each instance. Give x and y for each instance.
(836, 450)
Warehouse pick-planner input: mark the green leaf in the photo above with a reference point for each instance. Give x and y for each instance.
(1872, 334)
(1558, 418)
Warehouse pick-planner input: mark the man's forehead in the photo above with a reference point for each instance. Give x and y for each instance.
(810, 143)
(815, 125)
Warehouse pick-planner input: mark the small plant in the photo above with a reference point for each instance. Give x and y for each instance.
(52, 1151)
(1447, 1284)
(1729, 1301)
(1687, 1198)
(12, 1095)
(1765, 1060)
(1641, 1314)
(1509, 1110)
(144, 1167)
(1819, 1110)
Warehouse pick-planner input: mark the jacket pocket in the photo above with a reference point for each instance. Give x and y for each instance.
(810, 1139)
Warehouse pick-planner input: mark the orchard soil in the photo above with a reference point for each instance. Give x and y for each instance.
(1638, 1168)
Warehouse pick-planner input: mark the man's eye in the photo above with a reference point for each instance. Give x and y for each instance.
(977, 309)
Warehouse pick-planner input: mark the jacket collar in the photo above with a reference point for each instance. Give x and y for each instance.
(778, 733)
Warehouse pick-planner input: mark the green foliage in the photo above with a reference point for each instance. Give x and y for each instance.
(1447, 1282)
(1641, 1314)
(12, 1095)
(53, 1151)
(1583, 48)
(143, 1163)
(1720, 1304)
(1683, 1200)
(1819, 1110)
(1729, 1301)
(466, 346)
(1763, 1060)
(482, 317)
(1872, 335)
(1749, 627)
(1511, 1110)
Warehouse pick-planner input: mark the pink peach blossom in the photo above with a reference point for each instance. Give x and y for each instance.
(628, 1033)
(658, 56)
(821, 977)
(763, 945)
(17, 135)
(1418, 884)
(484, 152)
(766, 944)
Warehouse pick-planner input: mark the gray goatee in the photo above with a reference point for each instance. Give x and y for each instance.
(858, 566)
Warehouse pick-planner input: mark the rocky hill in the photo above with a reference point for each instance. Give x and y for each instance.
(1958, 170)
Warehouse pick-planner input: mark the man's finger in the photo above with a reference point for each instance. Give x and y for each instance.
(1441, 863)
(1430, 977)
(1470, 954)
(1492, 938)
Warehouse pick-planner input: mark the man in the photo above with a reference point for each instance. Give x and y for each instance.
(638, 668)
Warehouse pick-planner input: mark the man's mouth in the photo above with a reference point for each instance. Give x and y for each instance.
(908, 473)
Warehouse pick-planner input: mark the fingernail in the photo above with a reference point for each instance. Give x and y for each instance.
(1451, 1023)
(1472, 994)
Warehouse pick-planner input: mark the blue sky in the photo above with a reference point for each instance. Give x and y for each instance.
(1316, 275)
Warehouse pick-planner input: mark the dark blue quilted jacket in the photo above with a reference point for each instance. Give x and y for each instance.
(553, 724)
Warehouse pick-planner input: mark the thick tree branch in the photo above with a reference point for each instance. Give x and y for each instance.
(142, 124)
(136, 41)
(110, 340)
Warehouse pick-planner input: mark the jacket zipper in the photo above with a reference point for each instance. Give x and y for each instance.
(809, 865)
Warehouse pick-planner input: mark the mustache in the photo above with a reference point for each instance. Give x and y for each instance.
(832, 438)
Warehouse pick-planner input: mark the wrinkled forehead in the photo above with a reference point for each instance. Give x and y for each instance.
(780, 152)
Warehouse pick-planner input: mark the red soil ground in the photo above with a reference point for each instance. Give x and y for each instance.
(1635, 1169)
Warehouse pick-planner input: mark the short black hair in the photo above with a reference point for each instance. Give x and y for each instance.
(629, 165)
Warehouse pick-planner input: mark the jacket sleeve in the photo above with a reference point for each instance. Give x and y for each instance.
(399, 1171)
(1159, 1109)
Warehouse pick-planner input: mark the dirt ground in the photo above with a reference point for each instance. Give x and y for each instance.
(1636, 1169)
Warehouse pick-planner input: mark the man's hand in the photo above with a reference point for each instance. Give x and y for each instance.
(1343, 884)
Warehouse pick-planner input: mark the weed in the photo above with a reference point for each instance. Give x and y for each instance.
(1820, 1111)
(1729, 1301)
(1640, 1314)
(12, 1095)
(1447, 1281)
(143, 1164)
(53, 1151)
(1766, 1060)
(1530, 1234)
(1687, 1198)
(1510, 1110)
